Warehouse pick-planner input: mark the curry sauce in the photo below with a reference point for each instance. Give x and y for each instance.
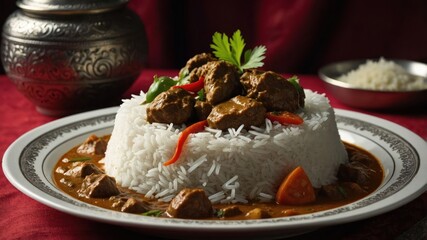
(357, 179)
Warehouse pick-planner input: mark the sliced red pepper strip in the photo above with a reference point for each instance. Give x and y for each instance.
(194, 128)
(285, 118)
(194, 86)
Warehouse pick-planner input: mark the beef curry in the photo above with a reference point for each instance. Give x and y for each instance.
(216, 91)
(79, 173)
(222, 92)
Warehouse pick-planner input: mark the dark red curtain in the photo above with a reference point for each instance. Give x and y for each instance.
(300, 35)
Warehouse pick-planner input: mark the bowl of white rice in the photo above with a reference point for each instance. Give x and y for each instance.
(378, 84)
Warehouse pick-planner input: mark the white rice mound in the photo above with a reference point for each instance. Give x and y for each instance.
(231, 166)
(383, 75)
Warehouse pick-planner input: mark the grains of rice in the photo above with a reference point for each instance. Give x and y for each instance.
(217, 196)
(266, 197)
(383, 75)
(231, 166)
(211, 169)
(197, 163)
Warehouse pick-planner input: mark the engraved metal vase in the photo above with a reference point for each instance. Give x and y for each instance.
(72, 56)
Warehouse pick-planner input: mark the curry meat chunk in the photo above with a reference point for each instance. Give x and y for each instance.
(190, 204)
(133, 205)
(356, 170)
(194, 63)
(230, 211)
(82, 170)
(92, 146)
(273, 90)
(345, 190)
(203, 109)
(98, 186)
(235, 112)
(172, 106)
(221, 81)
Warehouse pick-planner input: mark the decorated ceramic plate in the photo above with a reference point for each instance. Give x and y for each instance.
(29, 161)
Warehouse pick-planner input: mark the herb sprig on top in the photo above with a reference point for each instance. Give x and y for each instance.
(231, 50)
(224, 48)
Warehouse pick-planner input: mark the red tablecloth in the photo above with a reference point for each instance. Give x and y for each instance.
(24, 218)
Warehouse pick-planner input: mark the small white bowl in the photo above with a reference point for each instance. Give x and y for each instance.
(373, 99)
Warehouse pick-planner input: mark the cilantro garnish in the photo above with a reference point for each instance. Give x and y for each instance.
(295, 81)
(201, 95)
(342, 191)
(219, 213)
(224, 48)
(231, 49)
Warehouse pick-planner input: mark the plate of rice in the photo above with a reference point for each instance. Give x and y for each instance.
(377, 83)
(28, 164)
(231, 132)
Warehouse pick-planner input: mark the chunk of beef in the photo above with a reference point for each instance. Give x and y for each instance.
(273, 90)
(203, 109)
(196, 62)
(190, 204)
(221, 81)
(345, 190)
(361, 157)
(98, 186)
(172, 106)
(82, 170)
(353, 189)
(257, 213)
(117, 201)
(133, 205)
(235, 112)
(92, 146)
(333, 191)
(230, 211)
(355, 171)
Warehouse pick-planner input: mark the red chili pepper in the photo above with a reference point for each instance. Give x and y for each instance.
(194, 128)
(194, 86)
(284, 118)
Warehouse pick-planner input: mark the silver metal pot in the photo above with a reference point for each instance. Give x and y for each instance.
(72, 56)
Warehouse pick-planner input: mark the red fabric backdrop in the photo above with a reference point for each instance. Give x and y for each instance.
(300, 35)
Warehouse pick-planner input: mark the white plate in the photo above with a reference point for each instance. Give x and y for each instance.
(28, 164)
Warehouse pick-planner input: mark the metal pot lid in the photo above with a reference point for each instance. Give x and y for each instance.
(69, 6)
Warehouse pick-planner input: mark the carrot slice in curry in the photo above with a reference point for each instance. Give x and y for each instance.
(296, 189)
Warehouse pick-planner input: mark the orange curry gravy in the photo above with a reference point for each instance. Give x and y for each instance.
(342, 192)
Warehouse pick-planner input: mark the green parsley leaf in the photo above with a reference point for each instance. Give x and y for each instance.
(253, 58)
(219, 213)
(183, 80)
(237, 45)
(201, 95)
(342, 191)
(221, 47)
(231, 50)
(295, 81)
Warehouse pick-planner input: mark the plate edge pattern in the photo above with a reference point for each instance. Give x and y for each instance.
(409, 157)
